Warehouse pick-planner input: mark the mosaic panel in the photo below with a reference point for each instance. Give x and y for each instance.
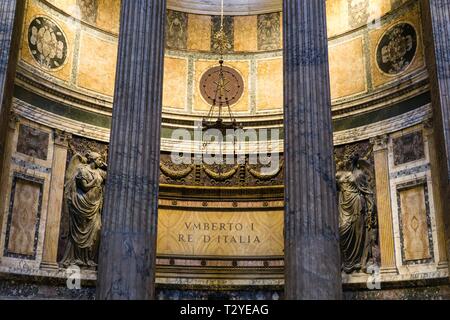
(408, 148)
(269, 32)
(33, 142)
(176, 30)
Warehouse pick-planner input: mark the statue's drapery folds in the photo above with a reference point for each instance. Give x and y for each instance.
(357, 221)
(83, 195)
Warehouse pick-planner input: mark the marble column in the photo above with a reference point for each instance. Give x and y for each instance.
(11, 18)
(55, 203)
(384, 206)
(436, 16)
(438, 203)
(312, 256)
(128, 241)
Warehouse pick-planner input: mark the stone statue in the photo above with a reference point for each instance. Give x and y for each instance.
(83, 202)
(357, 215)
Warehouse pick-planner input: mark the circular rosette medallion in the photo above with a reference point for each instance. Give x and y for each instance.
(47, 43)
(229, 89)
(397, 49)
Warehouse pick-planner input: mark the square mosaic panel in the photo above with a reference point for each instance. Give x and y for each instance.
(33, 142)
(409, 148)
(228, 27)
(269, 33)
(176, 30)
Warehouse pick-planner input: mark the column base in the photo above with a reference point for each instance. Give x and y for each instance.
(389, 270)
(49, 265)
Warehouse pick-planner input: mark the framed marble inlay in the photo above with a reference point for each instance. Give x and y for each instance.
(47, 43)
(24, 215)
(176, 30)
(408, 148)
(33, 142)
(415, 222)
(269, 32)
(89, 10)
(397, 48)
(358, 12)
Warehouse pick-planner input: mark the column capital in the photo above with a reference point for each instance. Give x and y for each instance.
(428, 124)
(13, 120)
(61, 138)
(380, 142)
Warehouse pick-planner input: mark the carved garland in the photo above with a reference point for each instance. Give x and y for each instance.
(176, 174)
(221, 176)
(264, 177)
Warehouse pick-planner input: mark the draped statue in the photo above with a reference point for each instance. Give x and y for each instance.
(83, 202)
(357, 215)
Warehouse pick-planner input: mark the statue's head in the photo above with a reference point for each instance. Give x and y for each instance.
(94, 157)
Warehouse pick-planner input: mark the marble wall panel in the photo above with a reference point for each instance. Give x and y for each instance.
(97, 64)
(346, 15)
(245, 34)
(414, 213)
(103, 14)
(108, 17)
(199, 33)
(347, 68)
(269, 84)
(24, 216)
(175, 83)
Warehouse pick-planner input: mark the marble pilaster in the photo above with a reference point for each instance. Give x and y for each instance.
(128, 241)
(436, 14)
(312, 255)
(11, 16)
(53, 221)
(438, 203)
(4, 172)
(384, 206)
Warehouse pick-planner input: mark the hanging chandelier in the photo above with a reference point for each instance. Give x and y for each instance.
(226, 84)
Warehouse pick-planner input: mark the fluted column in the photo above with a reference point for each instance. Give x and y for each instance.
(55, 202)
(384, 206)
(11, 17)
(128, 242)
(312, 256)
(436, 16)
